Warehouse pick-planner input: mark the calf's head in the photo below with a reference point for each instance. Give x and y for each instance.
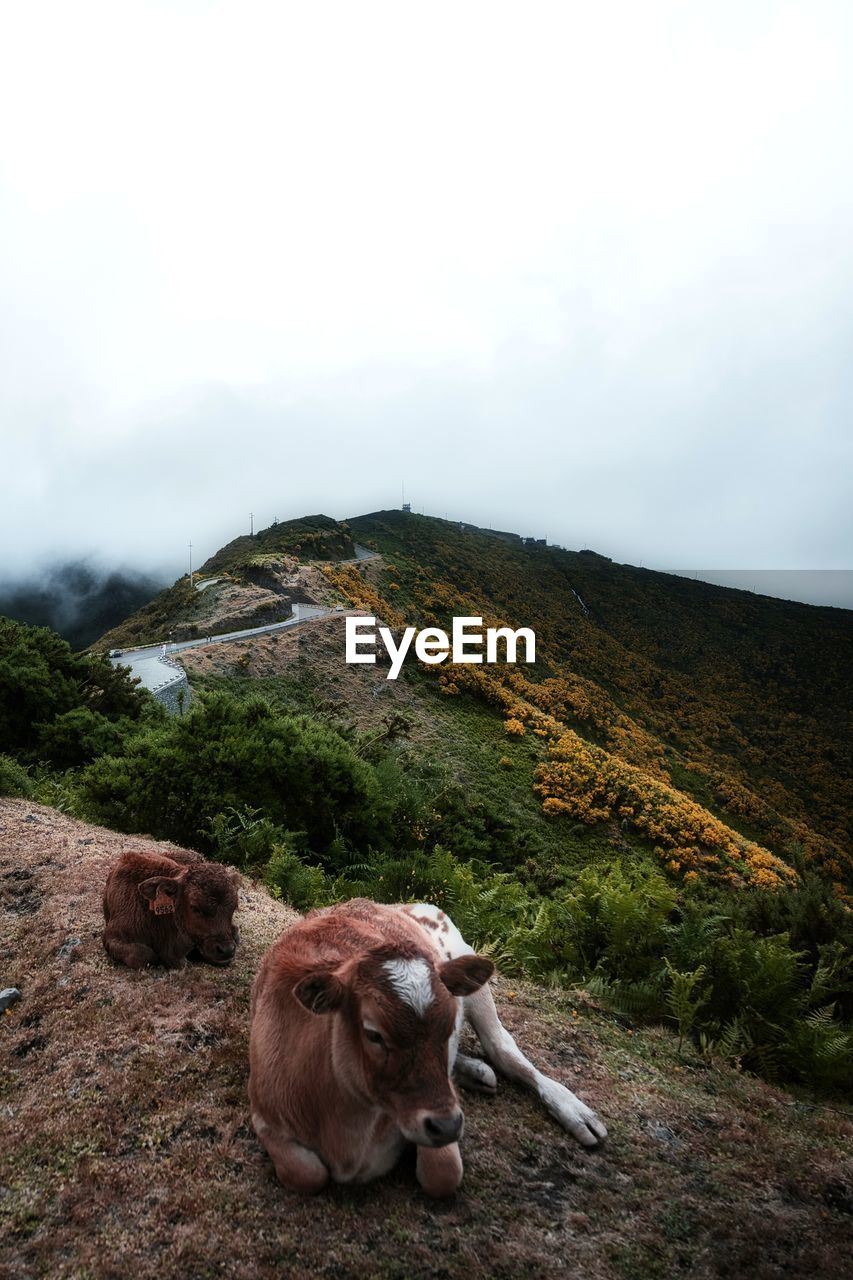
(396, 1011)
(201, 899)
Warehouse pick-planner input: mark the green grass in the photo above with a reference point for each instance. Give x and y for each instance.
(472, 742)
(310, 538)
(468, 746)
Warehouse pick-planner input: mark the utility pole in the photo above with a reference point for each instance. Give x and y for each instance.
(191, 563)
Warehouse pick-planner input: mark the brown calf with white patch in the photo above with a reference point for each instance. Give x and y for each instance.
(356, 1015)
(158, 909)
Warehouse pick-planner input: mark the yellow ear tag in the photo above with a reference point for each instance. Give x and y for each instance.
(162, 904)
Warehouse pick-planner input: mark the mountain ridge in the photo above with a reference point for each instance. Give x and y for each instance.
(739, 701)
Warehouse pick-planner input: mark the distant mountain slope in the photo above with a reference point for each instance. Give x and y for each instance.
(710, 724)
(77, 599)
(740, 701)
(257, 581)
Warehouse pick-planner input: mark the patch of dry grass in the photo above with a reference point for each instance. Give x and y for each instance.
(127, 1149)
(359, 693)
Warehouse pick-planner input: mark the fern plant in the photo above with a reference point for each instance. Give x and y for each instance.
(681, 1001)
(821, 1050)
(288, 877)
(241, 835)
(639, 999)
(728, 1044)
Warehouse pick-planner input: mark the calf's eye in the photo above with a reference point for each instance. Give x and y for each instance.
(374, 1037)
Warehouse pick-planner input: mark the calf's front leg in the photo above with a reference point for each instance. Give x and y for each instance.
(474, 1074)
(297, 1167)
(136, 955)
(439, 1169)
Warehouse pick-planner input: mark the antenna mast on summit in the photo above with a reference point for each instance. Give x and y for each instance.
(191, 563)
(251, 524)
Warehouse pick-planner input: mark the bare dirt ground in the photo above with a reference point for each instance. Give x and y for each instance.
(359, 691)
(127, 1151)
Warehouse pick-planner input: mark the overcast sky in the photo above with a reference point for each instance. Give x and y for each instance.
(579, 270)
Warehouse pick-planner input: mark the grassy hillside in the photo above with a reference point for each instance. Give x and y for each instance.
(713, 725)
(310, 538)
(659, 808)
(128, 1149)
(461, 740)
(740, 702)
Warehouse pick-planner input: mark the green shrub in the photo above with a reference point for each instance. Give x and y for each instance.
(762, 979)
(820, 1051)
(171, 781)
(75, 737)
(242, 836)
(58, 790)
(288, 877)
(610, 921)
(42, 682)
(14, 778)
(814, 919)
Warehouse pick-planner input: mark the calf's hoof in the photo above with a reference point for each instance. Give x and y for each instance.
(439, 1170)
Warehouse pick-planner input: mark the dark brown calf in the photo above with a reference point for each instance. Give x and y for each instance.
(158, 909)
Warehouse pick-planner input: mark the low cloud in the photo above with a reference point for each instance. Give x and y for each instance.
(579, 292)
(79, 599)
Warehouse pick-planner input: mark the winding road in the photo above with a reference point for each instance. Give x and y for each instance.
(156, 669)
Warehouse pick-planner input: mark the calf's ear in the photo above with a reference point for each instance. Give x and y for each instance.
(161, 892)
(320, 992)
(466, 974)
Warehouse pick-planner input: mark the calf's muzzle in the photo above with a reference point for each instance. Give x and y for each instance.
(440, 1130)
